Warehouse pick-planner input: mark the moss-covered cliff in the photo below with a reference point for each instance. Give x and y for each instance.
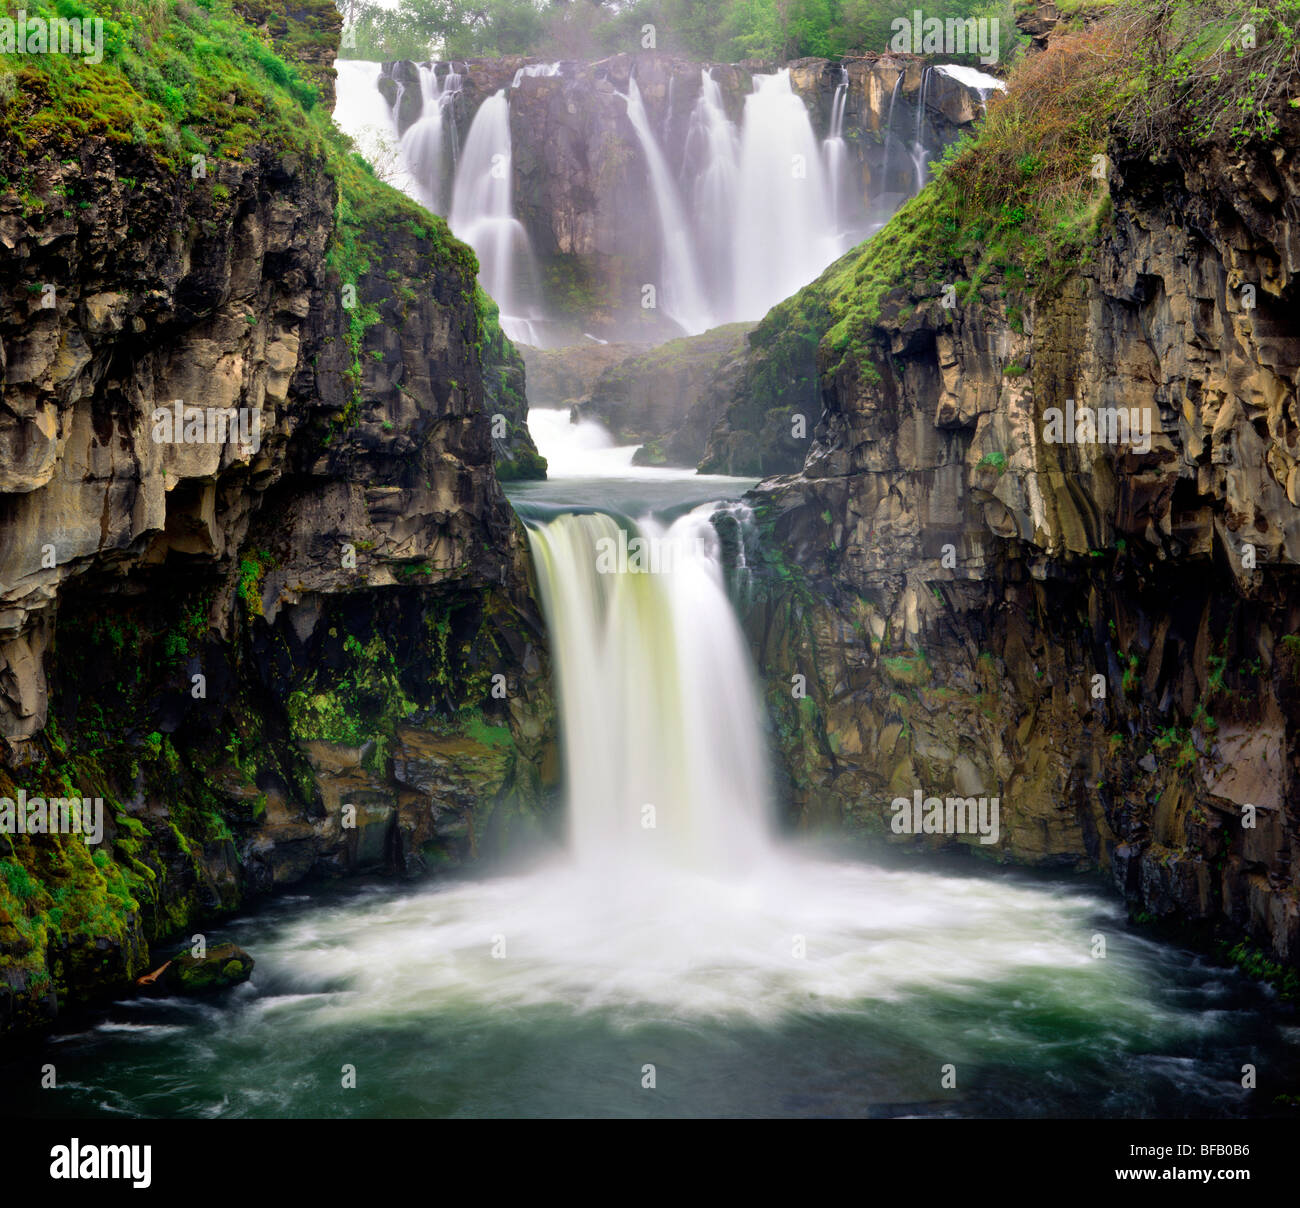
(1104, 635)
(310, 653)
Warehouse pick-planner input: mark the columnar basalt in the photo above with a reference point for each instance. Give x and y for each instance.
(306, 655)
(1107, 635)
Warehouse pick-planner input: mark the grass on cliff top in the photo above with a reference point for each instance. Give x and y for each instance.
(1019, 199)
(180, 79)
(193, 77)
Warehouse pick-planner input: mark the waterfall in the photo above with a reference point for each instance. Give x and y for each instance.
(891, 139)
(482, 215)
(836, 153)
(977, 81)
(920, 156)
(682, 298)
(664, 767)
(753, 211)
(711, 163)
(533, 70)
(783, 234)
(422, 146)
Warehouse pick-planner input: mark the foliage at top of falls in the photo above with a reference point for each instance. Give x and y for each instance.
(709, 30)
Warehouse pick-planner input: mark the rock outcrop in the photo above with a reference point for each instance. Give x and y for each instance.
(669, 398)
(1105, 636)
(303, 647)
(560, 377)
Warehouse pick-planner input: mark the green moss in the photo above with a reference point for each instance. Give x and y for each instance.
(252, 570)
(180, 80)
(911, 668)
(1254, 962)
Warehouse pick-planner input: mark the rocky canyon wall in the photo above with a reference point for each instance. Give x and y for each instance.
(307, 653)
(1105, 636)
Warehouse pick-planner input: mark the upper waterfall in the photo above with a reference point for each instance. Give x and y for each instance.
(482, 215)
(643, 197)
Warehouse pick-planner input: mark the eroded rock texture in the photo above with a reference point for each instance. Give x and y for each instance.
(309, 654)
(950, 582)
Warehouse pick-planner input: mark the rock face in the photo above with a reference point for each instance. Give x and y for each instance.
(668, 398)
(306, 653)
(222, 966)
(505, 398)
(580, 182)
(1106, 636)
(559, 377)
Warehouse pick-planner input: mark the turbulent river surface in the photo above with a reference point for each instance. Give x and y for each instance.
(677, 957)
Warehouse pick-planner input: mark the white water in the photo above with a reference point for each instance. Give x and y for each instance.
(753, 213)
(664, 774)
(361, 112)
(712, 168)
(429, 145)
(783, 231)
(534, 70)
(682, 296)
(920, 155)
(482, 215)
(986, 85)
(835, 151)
(708, 915)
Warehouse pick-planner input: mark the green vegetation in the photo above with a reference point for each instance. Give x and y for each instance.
(717, 30)
(1252, 961)
(363, 702)
(182, 79)
(911, 668)
(252, 570)
(1212, 68)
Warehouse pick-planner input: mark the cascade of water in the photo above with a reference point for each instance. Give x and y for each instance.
(482, 215)
(891, 139)
(533, 70)
(660, 771)
(920, 155)
(978, 81)
(836, 153)
(783, 235)
(682, 297)
(450, 91)
(423, 149)
(754, 212)
(711, 169)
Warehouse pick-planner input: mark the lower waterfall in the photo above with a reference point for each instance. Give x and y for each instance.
(662, 728)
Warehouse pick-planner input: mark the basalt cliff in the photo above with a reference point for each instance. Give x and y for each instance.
(1102, 633)
(305, 652)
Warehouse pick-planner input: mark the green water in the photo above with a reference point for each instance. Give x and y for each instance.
(1151, 1030)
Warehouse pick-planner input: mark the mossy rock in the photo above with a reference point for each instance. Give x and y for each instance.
(224, 966)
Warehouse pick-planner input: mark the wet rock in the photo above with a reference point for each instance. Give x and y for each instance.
(221, 967)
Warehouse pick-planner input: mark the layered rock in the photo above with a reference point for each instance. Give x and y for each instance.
(669, 398)
(1105, 636)
(560, 377)
(304, 648)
